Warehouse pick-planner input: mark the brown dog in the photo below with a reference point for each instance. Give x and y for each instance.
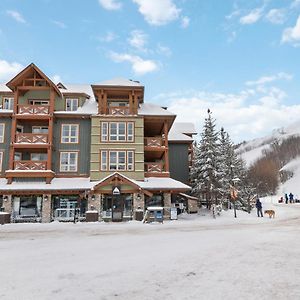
(270, 212)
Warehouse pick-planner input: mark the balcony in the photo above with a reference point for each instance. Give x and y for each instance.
(119, 111)
(32, 138)
(29, 165)
(154, 143)
(155, 169)
(33, 110)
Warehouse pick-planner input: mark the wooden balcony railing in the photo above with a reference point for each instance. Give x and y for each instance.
(29, 165)
(119, 111)
(153, 142)
(33, 109)
(154, 167)
(32, 138)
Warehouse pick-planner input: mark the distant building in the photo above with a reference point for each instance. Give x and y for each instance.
(87, 147)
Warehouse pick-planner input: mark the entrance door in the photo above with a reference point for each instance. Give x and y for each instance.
(117, 208)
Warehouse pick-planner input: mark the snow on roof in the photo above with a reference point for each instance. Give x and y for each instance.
(162, 183)
(80, 183)
(179, 131)
(120, 82)
(150, 109)
(4, 88)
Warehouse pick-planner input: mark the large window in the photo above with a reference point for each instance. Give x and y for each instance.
(38, 156)
(39, 102)
(2, 129)
(68, 161)
(117, 131)
(1, 160)
(8, 103)
(39, 129)
(117, 160)
(69, 133)
(71, 104)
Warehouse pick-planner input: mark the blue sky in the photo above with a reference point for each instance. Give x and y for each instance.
(239, 58)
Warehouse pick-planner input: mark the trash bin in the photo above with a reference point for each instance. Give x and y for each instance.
(92, 216)
(139, 215)
(4, 218)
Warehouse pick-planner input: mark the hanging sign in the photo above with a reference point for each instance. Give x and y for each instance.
(116, 191)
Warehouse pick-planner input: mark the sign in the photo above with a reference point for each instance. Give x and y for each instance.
(116, 191)
(173, 213)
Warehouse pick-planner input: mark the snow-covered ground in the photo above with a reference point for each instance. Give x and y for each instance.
(196, 257)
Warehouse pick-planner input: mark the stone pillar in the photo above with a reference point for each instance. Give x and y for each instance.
(167, 205)
(138, 202)
(95, 203)
(7, 203)
(46, 208)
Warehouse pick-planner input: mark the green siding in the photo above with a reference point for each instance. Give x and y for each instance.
(4, 147)
(179, 162)
(84, 145)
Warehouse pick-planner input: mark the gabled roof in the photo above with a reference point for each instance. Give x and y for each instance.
(184, 127)
(118, 82)
(149, 109)
(182, 132)
(4, 88)
(17, 79)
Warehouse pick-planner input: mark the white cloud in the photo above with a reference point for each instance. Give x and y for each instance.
(292, 34)
(245, 115)
(16, 16)
(139, 66)
(185, 22)
(164, 50)
(109, 37)
(267, 79)
(9, 70)
(295, 4)
(138, 39)
(60, 24)
(56, 78)
(110, 4)
(158, 12)
(276, 16)
(253, 16)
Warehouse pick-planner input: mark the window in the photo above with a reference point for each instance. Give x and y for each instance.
(17, 156)
(71, 104)
(39, 156)
(69, 133)
(2, 129)
(68, 161)
(20, 129)
(104, 131)
(117, 160)
(1, 160)
(39, 102)
(117, 131)
(39, 129)
(8, 103)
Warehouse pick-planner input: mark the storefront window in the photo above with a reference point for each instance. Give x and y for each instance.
(155, 200)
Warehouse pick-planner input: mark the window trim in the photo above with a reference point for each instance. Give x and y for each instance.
(60, 164)
(33, 102)
(69, 136)
(105, 167)
(39, 127)
(1, 160)
(31, 154)
(106, 138)
(71, 106)
(2, 137)
(11, 100)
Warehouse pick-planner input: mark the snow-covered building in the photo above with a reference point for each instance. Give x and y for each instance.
(72, 148)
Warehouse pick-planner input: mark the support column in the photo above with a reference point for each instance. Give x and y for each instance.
(7, 203)
(138, 203)
(46, 208)
(166, 156)
(95, 203)
(167, 205)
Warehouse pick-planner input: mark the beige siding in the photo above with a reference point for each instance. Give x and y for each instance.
(137, 146)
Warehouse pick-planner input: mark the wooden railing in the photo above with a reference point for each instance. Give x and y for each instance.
(29, 165)
(33, 109)
(119, 111)
(32, 138)
(154, 167)
(153, 141)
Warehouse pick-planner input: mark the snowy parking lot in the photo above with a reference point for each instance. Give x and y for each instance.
(196, 257)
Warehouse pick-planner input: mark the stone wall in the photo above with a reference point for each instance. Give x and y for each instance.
(7, 203)
(95, 203)
(167, 205)
(46, 208)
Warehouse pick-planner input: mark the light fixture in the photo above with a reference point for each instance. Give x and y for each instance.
(5, 198)
(138, 197)
(46, 198)
(93, 197)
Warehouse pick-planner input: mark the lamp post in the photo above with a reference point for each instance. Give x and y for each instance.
(234, 194)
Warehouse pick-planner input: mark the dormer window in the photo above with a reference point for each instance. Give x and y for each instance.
(71, 104)
(8, 103)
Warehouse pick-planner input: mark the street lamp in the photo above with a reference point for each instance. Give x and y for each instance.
(234, 194)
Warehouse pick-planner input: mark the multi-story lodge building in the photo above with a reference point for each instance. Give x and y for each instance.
(87, 147)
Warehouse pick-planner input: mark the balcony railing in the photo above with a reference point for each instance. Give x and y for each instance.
(154, 167)
(153, 142)
(119, 111)
(33, 109)
(29, 165)
(32, 138)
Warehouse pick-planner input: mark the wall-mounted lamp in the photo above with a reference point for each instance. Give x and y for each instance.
(93, 197)
(46, 198)
(5, 198)
(139, 197)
